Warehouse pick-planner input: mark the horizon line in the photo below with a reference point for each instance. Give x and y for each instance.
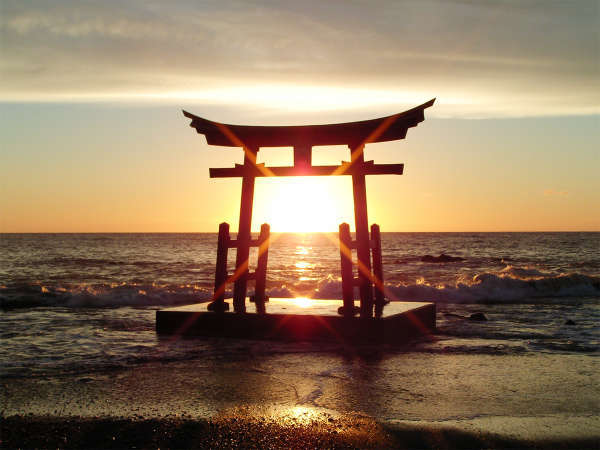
(291, 232)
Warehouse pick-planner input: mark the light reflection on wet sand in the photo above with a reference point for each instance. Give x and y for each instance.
(300, 385)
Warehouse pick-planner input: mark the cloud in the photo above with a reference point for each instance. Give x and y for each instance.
(480, 59)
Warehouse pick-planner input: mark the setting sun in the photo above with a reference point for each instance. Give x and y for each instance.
(303, 204)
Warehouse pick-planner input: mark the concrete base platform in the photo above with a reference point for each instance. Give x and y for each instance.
(300, 319)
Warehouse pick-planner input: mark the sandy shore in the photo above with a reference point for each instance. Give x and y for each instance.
(309, 399)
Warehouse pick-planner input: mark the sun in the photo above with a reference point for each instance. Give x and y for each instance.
(301, 205)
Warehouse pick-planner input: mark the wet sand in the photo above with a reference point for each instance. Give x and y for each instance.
(309, 399)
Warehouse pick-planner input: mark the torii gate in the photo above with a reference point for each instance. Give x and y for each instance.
(302, 138)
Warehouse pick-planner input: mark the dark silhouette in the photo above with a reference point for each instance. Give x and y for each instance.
(474, 317)
(302, 138)
(478, 317)
(421, 319)
(443, 258)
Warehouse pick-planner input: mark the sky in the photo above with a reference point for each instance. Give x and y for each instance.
(92, 138)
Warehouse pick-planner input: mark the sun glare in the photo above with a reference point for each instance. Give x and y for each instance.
(303, 302)
(302, 205)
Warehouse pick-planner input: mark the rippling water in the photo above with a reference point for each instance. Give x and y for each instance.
(77, 301)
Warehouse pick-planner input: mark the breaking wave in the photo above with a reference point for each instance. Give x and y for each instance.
(510, 285)
(518, 285)
(488, 287)
(135, 295)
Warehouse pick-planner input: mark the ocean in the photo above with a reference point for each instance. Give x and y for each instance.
(79, 303)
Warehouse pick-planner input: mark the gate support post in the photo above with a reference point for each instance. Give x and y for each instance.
(363, 247)
(243, 236)
(218, 304)
(347, 273)
(261, 268)
(377, 270)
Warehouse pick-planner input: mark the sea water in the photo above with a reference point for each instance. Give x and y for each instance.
(80, 303)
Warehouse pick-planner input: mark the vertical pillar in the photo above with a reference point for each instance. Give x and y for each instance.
(261, 268)
(377, 270)
(347, 274)
(302, 155)
(243, 236)
(363, 252)
(218, 304)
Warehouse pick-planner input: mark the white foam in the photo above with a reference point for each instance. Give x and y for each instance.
(509, 285)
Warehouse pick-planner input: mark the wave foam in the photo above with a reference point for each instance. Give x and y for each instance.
(510, 285)
(36, 295)
(516, 285)
(502, 287)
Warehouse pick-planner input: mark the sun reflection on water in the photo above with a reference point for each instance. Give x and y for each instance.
(301, 250)
(302, 265)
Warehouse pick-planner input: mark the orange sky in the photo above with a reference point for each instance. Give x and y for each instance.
(92, 138)
(101, 168)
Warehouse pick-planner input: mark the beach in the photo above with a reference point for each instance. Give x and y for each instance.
(291, 398)
(82, 366)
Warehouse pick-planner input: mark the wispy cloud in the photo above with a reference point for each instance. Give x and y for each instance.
(481, 59)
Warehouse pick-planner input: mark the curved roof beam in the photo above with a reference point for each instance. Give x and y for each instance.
(389, 128)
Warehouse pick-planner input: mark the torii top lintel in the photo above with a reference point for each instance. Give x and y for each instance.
(303, 137)
(389, 128)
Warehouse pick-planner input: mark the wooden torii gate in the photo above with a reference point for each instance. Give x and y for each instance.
(302, 138)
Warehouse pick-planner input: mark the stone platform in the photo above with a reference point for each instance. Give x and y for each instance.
(300, 319)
